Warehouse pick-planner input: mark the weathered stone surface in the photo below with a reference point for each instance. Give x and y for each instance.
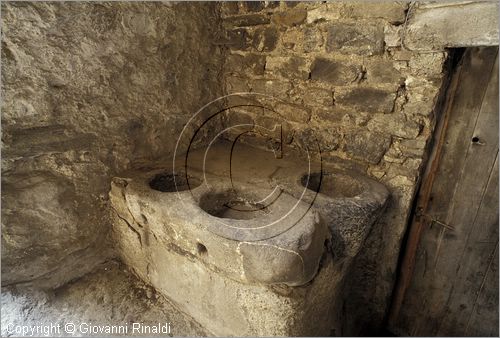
(358, 39)
(288, 66)
(435, 26)
(190, 246)
(392, 11)
(400, 55)
(291, 17)
(275, 123)
(326, 12)
(368, 146)
(229, 7)
(368, 99)
(427, 64)
(253, 6)
(382, 71)
(312, 40)
(316, 96)
(265, 39)
(413, 148)
(247, 20)
(378, 28)
(107, 296)
(278, 88)
(394, 124)
(333, 114)
(237, 85)
(291, 4)
(71, 90)
(334, 72)
(238, 116)
(291, 38)
(245, 63)
(293, 113)
(392, 36)
(237, 39)
(272, 4)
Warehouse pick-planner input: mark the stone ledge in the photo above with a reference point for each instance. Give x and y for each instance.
(435, 27)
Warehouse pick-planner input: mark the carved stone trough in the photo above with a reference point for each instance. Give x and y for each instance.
(259, 247)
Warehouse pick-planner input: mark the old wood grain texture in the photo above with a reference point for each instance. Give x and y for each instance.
(455, 281)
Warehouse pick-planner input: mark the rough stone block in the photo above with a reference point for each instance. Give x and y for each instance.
(400, 54)
(335, 72)
(394, 155)
(237, 84)
(367, 146)
(421, 97)
(236, 39)
(394, 124)
(331, 139)
(369, 100)
(413, 164)
(241, 100)
(316, 97)
(290, 38)
(325, 12)
(290, 17)
(293, 113)
(229, 7)
(434, 26)
(288, 66)
(393, 12)
(333, 114)
(312, 40)
(275, 123)
(247, 20)
(245, 63)
(419, 104)
(382, 71)
(276, 88)
(428, 64)
(392, 36)
(412, 148)
(291, 4)
(239, 121)
(253, 6)
(366, 39)
(265, 39)
(272, 4)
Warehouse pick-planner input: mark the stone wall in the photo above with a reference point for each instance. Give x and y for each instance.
(339, 71)
(88, 90)
(92, 89)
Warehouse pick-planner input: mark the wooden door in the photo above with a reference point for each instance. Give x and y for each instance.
(451, 263)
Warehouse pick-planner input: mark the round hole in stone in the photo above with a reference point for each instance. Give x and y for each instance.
(232, 205)
(201, 249)
(332, 185)
(475, 139)
(168, 182)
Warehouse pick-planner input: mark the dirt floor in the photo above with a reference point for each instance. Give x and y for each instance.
(111, 295)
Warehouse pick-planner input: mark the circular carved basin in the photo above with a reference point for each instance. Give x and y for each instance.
(232, 206)
(335, 185)
(168, 182)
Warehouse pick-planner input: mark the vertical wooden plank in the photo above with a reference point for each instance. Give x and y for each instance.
(474, 266)
(463, 261)
(453, 262)
(486, 310)
(477, 68)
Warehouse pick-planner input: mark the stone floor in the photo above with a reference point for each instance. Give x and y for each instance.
(111, 295)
